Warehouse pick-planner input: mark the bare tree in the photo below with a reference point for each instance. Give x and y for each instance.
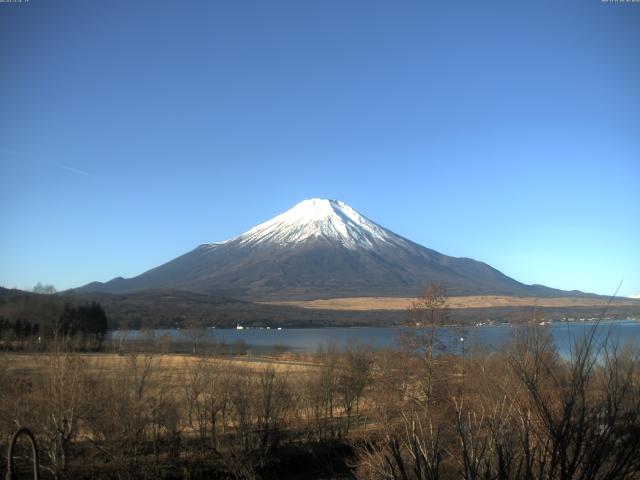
(353, 377)
(411, 449)
(63, 402)
(123, 411)
(192, 386)
(428, 313)
(196, 331)
(320, 391)
(242, 389)
(273, 401)
(44, 289)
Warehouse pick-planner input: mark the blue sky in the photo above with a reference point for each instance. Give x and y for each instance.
(509, 132)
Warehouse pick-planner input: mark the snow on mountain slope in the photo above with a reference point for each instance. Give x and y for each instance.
(319, 249)
(316, 218)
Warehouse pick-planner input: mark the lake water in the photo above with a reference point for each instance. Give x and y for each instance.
(449, 338)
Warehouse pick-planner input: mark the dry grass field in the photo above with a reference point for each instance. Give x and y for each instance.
(358, 413)
(475, 301)
(171, 365)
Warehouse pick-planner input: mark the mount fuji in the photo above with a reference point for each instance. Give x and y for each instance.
(320, 249)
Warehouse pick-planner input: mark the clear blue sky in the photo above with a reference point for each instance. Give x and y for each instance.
(132, 131)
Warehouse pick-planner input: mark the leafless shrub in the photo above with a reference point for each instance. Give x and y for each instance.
(272, 404)
(354, 376)
(320, 395)
(125, 408)
(410, 449)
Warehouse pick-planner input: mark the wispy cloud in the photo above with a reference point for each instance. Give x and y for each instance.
(74, 170)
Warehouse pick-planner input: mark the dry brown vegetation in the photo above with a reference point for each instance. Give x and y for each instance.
(475, 301)
(406, 413)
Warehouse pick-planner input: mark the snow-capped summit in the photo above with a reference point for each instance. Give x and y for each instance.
(319, 219)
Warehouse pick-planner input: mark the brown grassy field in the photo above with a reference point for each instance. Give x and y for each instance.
(476, 301)
(360, 413)
(171, 365)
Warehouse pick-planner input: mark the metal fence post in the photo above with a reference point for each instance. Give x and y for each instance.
(11, 474)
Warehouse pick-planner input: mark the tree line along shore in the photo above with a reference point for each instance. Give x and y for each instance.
(179, 309)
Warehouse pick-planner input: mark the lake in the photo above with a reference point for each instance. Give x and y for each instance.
(449, 338)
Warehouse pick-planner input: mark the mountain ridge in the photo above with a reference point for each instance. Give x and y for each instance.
(321, 249)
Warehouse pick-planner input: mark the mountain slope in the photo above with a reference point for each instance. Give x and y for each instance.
(318, 249)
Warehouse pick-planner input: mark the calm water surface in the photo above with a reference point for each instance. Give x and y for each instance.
(449, 338)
